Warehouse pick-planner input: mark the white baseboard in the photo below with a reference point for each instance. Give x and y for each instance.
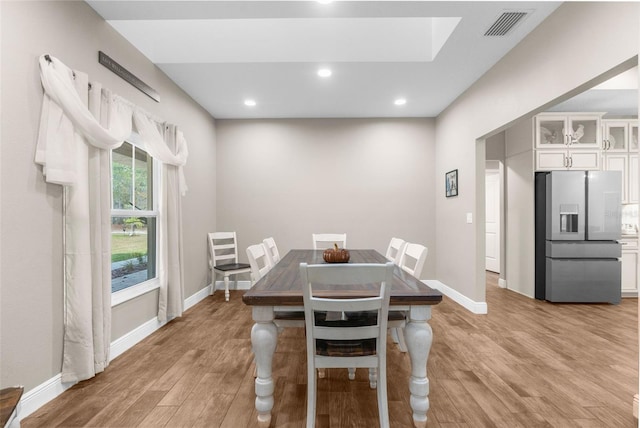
(197, 297)
(635, 406)
(471, 305)
(127, 341)
(40, 395)
(502, 283)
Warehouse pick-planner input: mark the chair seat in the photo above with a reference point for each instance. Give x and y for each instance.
(346, 348)
(232, 266)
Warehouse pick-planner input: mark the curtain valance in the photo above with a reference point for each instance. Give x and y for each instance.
(64, 112)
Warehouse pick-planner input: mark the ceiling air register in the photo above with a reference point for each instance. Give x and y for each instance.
(505, 23)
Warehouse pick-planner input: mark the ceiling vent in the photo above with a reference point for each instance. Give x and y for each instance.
(505, 23)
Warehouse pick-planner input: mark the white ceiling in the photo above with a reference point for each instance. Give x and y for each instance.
(223, 52)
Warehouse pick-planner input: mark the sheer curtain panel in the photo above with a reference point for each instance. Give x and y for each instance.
(79, 124)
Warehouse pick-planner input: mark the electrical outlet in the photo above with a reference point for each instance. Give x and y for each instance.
(469, 218)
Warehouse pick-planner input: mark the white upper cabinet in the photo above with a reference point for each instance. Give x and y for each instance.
(560, 130)
(550, 160)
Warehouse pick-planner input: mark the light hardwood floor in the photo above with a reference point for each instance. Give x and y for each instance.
(525, 364)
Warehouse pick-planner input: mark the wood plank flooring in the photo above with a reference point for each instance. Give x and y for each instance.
(525, 364)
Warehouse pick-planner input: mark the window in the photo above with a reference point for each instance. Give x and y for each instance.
(134, 215)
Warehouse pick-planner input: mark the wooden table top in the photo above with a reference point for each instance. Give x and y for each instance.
(281, 286)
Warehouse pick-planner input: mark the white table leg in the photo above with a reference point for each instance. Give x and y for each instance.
(418, 336)
(264, 336)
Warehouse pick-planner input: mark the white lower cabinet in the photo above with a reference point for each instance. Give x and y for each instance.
(630, 267)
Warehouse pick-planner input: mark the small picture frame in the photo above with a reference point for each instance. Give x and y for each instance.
(451, 183)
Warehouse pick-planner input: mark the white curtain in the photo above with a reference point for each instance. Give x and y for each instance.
(171, 301)
(78, 127)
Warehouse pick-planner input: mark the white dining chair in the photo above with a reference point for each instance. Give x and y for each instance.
(411, 260)
(223, 259)
(272, 250)
(322, 241)
(356, 342)
(259, 261)
(395, 249)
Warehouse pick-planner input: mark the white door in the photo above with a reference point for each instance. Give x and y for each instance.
(492, 228)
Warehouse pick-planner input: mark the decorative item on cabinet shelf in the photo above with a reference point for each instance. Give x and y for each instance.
(575, 136)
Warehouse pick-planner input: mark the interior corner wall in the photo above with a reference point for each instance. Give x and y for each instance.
(289, 178)
(555, 59)
(31, 303)
(520, 216)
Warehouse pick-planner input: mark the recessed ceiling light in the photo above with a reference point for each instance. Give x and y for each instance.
(400, 102)
(250, 103)
(324, 72)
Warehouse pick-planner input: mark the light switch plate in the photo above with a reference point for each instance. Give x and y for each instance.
(469, 218)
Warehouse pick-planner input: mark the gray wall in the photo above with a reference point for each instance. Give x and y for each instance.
(531, 77)
(372, 179)
(31, 292)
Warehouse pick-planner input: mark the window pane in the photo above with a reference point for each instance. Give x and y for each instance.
(121, 177)
(133, 251)
(143, 188)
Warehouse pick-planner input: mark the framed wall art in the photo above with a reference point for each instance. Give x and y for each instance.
(451, 183)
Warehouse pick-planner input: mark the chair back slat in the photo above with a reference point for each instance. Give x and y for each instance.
(272, 250)
(413, 258)
(395, 249)
(347, 333)
(258, 261)
(322, 241)
(220, 249)
(351, 305)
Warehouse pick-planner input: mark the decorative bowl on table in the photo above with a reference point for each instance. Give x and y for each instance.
(336, 255)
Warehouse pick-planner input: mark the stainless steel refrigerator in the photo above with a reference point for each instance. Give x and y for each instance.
(577, 232)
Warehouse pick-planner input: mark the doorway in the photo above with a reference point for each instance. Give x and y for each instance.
(493, 217)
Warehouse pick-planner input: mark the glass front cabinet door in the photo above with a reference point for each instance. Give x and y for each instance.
(550, 132)
(616, 137)
(584, 131)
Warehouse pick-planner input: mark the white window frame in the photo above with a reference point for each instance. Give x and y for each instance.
(129, 293)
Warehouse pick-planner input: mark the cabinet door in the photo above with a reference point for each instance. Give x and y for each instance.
(551, 132)
(584, 131)
(549, 160)
(613, 162)
(630, 272)
(633, 137)
(633, 179)
(584, 159)
(616, 137)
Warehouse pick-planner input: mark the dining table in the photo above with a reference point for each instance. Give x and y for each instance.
(279, 293)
